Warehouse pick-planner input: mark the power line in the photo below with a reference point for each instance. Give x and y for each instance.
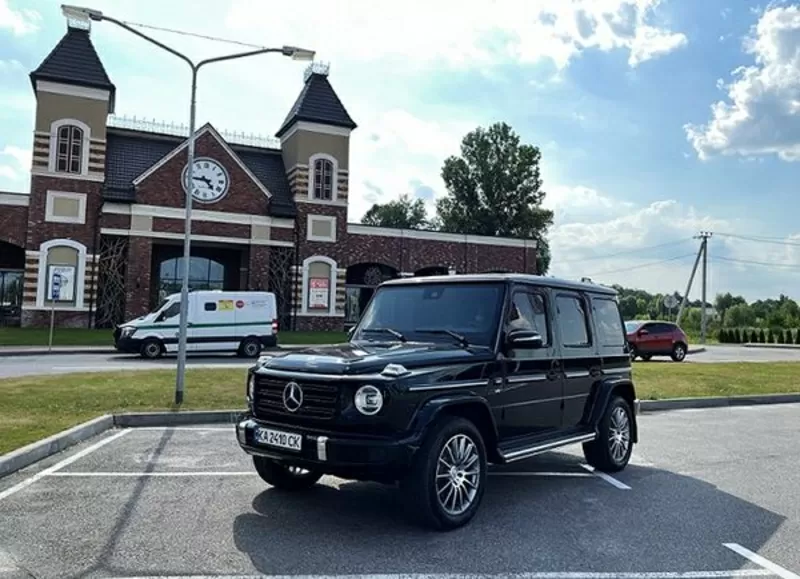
(194, 34)
(676, 258)
(753, 262)
(773, 240)
(627, 252)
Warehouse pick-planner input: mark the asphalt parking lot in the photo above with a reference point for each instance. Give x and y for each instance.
(710, 493)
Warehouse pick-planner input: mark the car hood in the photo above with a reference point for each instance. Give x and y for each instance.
(367, 357)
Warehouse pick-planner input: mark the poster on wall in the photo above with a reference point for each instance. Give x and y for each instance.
(61, 282)
(319, 290)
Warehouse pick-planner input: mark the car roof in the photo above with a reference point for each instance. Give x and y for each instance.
(523, 278)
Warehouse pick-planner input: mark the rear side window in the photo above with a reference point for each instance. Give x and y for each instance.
(608, 322)
(210, 306)
(572, 321)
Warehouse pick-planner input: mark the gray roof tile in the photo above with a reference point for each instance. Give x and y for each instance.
(318, 103)
(74, 60)
(131, 153)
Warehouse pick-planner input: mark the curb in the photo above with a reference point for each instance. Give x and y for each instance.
(716, 402)
(699, 350)
(67, 350)
(138, 419)
(772, 346)
(27, 455)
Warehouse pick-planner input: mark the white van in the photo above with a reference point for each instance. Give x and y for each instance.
(243, 322)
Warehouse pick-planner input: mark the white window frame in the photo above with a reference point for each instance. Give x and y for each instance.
(53, 158)
(312, 175)
(331, 284)
(80, 275)
(48, 210)
(328, 218)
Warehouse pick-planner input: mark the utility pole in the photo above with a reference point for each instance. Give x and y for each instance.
(701, 252)
(703, 314)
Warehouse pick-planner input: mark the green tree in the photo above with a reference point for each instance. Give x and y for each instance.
(402, 213)
(738, 316)
(494, 188)
(628, 307)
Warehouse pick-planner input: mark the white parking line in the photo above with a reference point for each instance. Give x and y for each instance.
(606, 477)
(59, 465)
(143, 474)
(761, 561)
(541, 575)
(228, 429)
(554, 474)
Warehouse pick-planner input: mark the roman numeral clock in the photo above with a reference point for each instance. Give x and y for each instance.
(210, 180)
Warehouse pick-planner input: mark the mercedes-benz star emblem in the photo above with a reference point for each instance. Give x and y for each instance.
(292, 396)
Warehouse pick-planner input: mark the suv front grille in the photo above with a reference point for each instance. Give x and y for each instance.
(320, 399)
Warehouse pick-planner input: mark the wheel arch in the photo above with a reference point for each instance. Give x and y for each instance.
(602, 393)
(474, 408)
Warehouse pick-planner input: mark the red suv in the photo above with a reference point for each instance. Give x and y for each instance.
(656, 338)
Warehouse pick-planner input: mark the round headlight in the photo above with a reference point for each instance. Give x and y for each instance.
(369, 400)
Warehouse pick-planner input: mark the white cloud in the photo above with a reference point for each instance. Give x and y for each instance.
(20, 155)
(468, 34)
(762, 113)
(8, 172)
(20, 22)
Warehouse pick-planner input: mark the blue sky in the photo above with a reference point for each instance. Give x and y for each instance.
(656, 119)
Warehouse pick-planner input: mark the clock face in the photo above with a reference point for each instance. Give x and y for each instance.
(210, 180)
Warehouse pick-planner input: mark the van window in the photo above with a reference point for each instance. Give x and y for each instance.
(173, 310)
(608, 322)
(210, 306)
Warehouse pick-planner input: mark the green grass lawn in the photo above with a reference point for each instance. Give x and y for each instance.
(34, 407)
(85, 337)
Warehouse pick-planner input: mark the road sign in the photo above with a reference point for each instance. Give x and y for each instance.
(670, 301)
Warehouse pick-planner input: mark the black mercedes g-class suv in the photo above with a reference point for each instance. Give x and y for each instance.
(441, 376)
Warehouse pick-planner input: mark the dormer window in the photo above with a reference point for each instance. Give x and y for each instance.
(322, 182)
(69, 154)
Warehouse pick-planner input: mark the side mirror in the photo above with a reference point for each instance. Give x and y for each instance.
(524, 340)
(350, 332)
(160, 317)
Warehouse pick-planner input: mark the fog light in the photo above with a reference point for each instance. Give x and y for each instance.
(369, 400)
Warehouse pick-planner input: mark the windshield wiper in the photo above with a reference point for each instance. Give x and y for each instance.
(394, 333)
(455, 335)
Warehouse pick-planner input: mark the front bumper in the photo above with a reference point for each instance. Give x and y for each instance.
(334, 453)
(637, 407)
(128, 345)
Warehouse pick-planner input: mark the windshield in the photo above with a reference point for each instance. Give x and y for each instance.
(632, 326)
(470, 310)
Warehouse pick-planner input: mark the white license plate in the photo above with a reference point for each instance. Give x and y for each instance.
(286, 440)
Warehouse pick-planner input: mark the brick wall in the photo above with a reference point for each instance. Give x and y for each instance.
(137, 279)
(40, 230)
(13, 221)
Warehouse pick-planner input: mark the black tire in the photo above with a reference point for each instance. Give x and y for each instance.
(679, 352)
(283, 476)
(647, 357)
(152, 349)
(422, 486)
(634, 352)
(250, 347)
(601, 453)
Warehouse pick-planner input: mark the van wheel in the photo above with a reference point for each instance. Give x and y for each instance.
(152, 349)
(250, 348)
(445, 485)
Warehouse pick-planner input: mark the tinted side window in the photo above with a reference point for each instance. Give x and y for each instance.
(572, 321)
(210, 306)
(608, 322)
(528, 312)
(659, 328)
(172, 310)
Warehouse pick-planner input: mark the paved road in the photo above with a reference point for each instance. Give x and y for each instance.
(15, 366)
(707, 490)
(730, 353)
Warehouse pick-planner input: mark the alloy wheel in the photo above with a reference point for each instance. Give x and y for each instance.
(458, 475)
(619, 434)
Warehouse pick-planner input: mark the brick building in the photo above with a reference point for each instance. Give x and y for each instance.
(105, 212)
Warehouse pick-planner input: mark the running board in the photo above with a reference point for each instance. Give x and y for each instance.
(523, 453)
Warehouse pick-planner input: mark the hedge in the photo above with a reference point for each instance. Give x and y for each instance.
(758, 335)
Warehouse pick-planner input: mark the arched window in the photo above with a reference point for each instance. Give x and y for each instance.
(322, 181)
(204, 274)
(62, 265)
(69, 146)
(319, 285)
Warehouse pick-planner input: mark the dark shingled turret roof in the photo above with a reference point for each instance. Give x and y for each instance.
(74, 60)
(317, 103)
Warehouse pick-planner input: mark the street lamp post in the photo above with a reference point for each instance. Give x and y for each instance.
(88, 14)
